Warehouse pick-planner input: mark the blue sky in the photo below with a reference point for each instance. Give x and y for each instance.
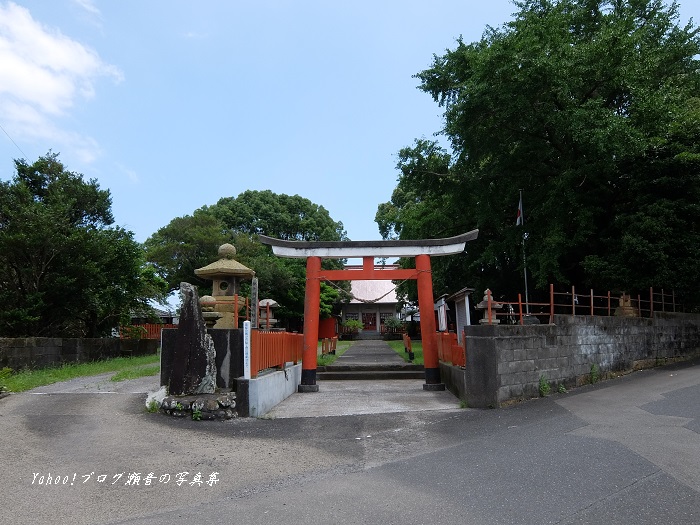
(173, 104)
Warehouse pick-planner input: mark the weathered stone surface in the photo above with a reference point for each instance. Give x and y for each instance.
(194, 366)
(201, 407)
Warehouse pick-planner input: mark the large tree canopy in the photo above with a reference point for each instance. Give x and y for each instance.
(292, 218)
(191, 242)
(64, 271)
(185, 244)
(591, 107)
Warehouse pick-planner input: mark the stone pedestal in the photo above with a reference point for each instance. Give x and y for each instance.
(202, 406)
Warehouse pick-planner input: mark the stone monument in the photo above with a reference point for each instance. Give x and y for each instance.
(626, 308)
(188, 362)
(194, 356)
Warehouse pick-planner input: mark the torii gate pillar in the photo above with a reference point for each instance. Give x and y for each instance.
(427, 324)
(312, 311)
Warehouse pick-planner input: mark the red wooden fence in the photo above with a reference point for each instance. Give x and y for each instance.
(143, 331)
(274, 350)
(449, 350)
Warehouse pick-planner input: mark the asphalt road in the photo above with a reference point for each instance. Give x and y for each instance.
(624, 451)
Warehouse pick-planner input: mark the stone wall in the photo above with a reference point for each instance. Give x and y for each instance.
(40, 352)
(505, 362)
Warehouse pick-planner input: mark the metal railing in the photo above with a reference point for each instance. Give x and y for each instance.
(578, 303)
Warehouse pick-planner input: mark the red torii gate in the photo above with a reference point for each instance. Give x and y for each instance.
(314, 251)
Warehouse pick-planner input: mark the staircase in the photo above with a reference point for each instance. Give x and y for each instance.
(369, 335)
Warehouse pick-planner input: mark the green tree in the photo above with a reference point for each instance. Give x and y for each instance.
(185, 244)
(65, 270)
(283, 216)
(191, 242)
(591, 108)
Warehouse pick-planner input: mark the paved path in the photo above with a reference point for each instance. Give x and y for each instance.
(368, 353)
(356, 397)
(625, 451)
(345, 398)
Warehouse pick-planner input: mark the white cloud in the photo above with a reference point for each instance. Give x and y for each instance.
(129, 173)
(89, 6)
(43, 74)
(195, 35)
(30, 123)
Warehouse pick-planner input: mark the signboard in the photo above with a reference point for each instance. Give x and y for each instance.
(246, 349)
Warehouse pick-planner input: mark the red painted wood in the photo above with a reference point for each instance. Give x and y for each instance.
(312, 311)
(426, 304)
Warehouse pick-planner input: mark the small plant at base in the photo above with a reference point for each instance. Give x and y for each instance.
(562, 389)
(544, 387)
(178, 406)
(153, 406)
(196, 415)
(463, 403)
(595, 373)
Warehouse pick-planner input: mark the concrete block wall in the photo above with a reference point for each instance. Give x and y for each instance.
(41, 352)
(505, 362)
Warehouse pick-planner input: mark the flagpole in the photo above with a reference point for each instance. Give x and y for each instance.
(521, 221)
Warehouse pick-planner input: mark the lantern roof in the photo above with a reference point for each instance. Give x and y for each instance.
(226, 266)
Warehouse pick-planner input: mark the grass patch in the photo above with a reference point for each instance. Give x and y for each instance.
(340, 348)
(28, 379)
(417, 347)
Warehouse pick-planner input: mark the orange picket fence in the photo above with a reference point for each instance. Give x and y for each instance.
(328, 345)
(274, 350)
(143, 331)
(449, 350)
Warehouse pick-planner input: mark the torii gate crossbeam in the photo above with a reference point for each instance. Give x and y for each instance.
(368, 251)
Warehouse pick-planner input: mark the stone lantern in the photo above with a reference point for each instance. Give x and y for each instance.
(484, 306)
(267, 319)
(226, 274)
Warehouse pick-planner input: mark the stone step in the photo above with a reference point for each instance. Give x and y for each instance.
(355, 375)
(369, 335)
(370, 368)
